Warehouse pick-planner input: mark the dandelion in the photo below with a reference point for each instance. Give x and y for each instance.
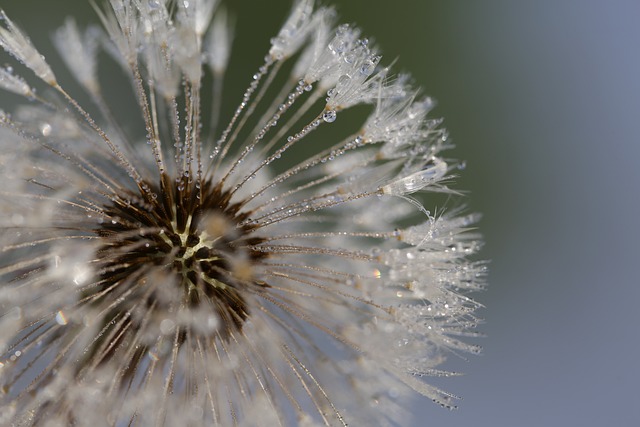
(278, 269)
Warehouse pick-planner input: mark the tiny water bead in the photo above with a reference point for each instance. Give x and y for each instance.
(329, 116)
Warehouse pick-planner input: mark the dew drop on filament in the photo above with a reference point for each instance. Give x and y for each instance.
(329, 116)
(45, 129)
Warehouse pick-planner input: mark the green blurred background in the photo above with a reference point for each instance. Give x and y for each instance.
(542, 99)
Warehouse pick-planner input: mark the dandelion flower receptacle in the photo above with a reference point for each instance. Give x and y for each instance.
(278, 268)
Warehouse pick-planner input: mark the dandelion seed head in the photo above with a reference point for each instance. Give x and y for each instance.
(259, 271)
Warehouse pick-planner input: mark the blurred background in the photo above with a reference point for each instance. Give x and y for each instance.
(542, 99)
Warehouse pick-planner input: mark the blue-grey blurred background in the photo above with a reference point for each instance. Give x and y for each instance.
(543, 101)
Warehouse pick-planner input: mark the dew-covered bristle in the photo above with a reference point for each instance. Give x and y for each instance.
(261, 258)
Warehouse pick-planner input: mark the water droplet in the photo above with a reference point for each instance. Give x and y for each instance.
(329, 116)
(367, 67)
(338, 46)
(61, 318)
(45, 129)
(344, 80)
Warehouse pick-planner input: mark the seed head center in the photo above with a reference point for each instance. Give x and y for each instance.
(195, 251)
